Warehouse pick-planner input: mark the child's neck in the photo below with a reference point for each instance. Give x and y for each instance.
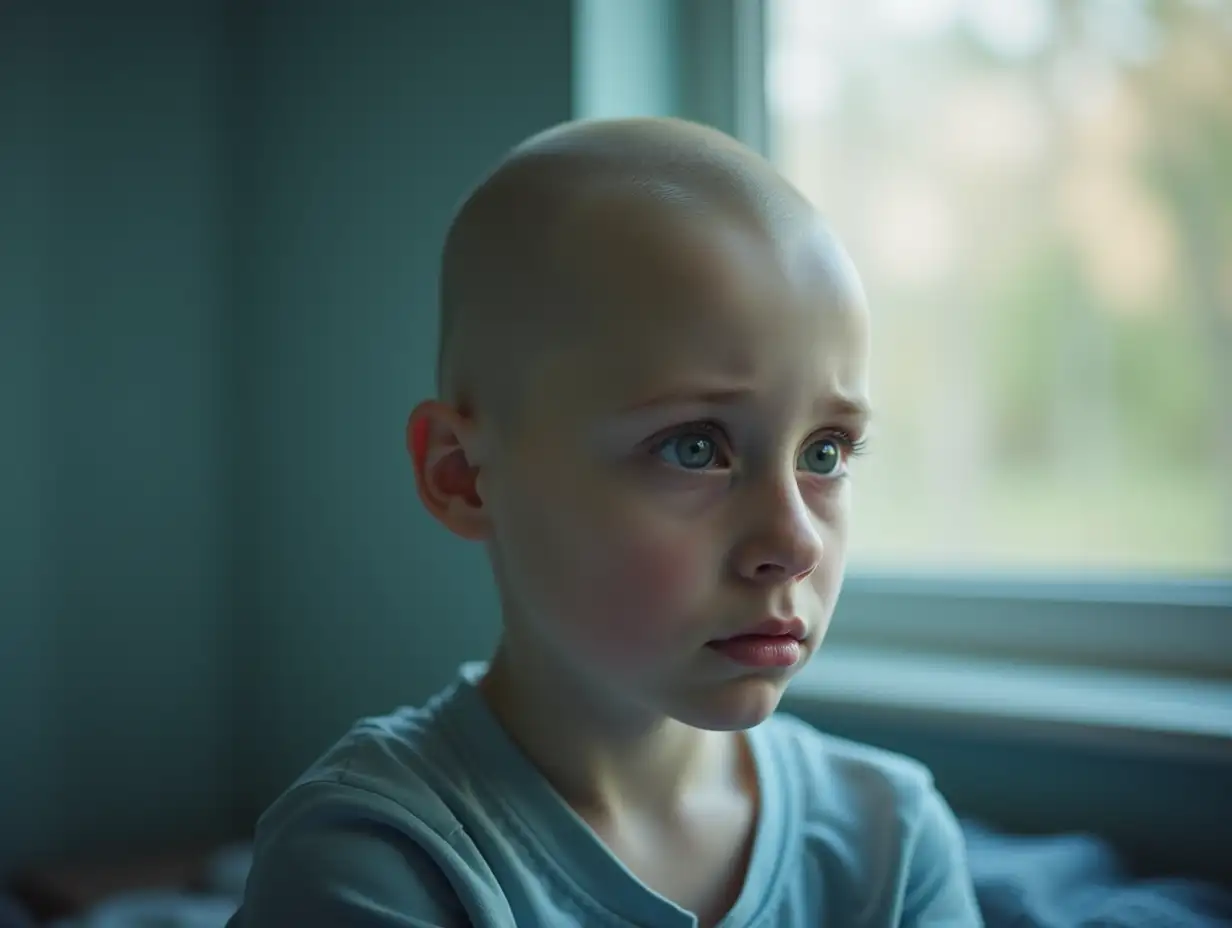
(605, 762)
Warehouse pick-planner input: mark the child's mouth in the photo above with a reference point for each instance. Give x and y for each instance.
(760, 650)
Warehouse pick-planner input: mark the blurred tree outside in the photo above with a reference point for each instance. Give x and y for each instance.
(1039, 196)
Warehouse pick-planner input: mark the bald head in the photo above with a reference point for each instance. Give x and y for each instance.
(520, 258)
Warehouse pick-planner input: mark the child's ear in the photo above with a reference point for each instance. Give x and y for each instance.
(438, 437)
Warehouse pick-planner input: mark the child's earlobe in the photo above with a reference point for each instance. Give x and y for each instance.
(446, 478)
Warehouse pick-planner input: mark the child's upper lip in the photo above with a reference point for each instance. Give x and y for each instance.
(774, 627)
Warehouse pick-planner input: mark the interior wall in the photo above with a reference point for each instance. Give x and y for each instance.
(112, 540)
(368, 122)
(220, 227)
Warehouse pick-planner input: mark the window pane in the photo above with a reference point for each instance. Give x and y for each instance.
(1039, 196)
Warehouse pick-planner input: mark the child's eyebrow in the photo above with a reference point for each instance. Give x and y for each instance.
(728, 397)
(848, 407)
(834, 404)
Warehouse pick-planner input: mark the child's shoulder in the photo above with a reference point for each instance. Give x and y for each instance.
(836, 778)
(395, 764)
(867, 824)
(373, 827)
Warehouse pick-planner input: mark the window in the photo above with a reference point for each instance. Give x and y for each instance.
(1038, 194)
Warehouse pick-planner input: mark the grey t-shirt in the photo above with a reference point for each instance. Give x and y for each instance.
(432, 816)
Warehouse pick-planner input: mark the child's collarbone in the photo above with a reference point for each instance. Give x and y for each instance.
(698, 861)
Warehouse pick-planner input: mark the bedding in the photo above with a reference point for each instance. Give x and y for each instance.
(1054, 881)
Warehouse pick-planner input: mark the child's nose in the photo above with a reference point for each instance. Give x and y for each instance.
(782, 543)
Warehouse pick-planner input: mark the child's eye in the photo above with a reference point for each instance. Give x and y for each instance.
(827, 457)
(824, 458)
(696, 447)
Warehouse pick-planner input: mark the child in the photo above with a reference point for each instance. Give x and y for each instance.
(652, 384)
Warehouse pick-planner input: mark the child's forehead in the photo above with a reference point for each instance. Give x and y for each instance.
(709, 323)
(706, 277)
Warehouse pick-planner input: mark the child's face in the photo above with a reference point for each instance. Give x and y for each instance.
(679, 473)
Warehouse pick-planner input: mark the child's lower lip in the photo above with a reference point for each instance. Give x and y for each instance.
(760, 650)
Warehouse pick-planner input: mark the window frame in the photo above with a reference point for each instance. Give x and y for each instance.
(1158, 624)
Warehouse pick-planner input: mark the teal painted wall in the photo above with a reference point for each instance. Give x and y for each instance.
(114, 594)
(219, 231)
(366, 129)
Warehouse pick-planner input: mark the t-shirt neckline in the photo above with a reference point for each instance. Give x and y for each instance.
(567, 850)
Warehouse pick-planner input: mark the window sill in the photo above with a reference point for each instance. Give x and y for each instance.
(1136, 712)
(1087, 587)
(1175, 629)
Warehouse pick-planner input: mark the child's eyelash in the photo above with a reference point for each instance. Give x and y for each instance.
(708, 427)
(855, 446)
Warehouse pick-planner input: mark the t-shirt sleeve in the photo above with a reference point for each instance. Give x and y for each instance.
(354, 864)
(350, 876)
(939, 890)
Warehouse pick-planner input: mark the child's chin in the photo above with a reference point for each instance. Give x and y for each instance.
(735, 705)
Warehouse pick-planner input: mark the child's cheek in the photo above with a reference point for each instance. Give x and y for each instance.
(651, 594)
